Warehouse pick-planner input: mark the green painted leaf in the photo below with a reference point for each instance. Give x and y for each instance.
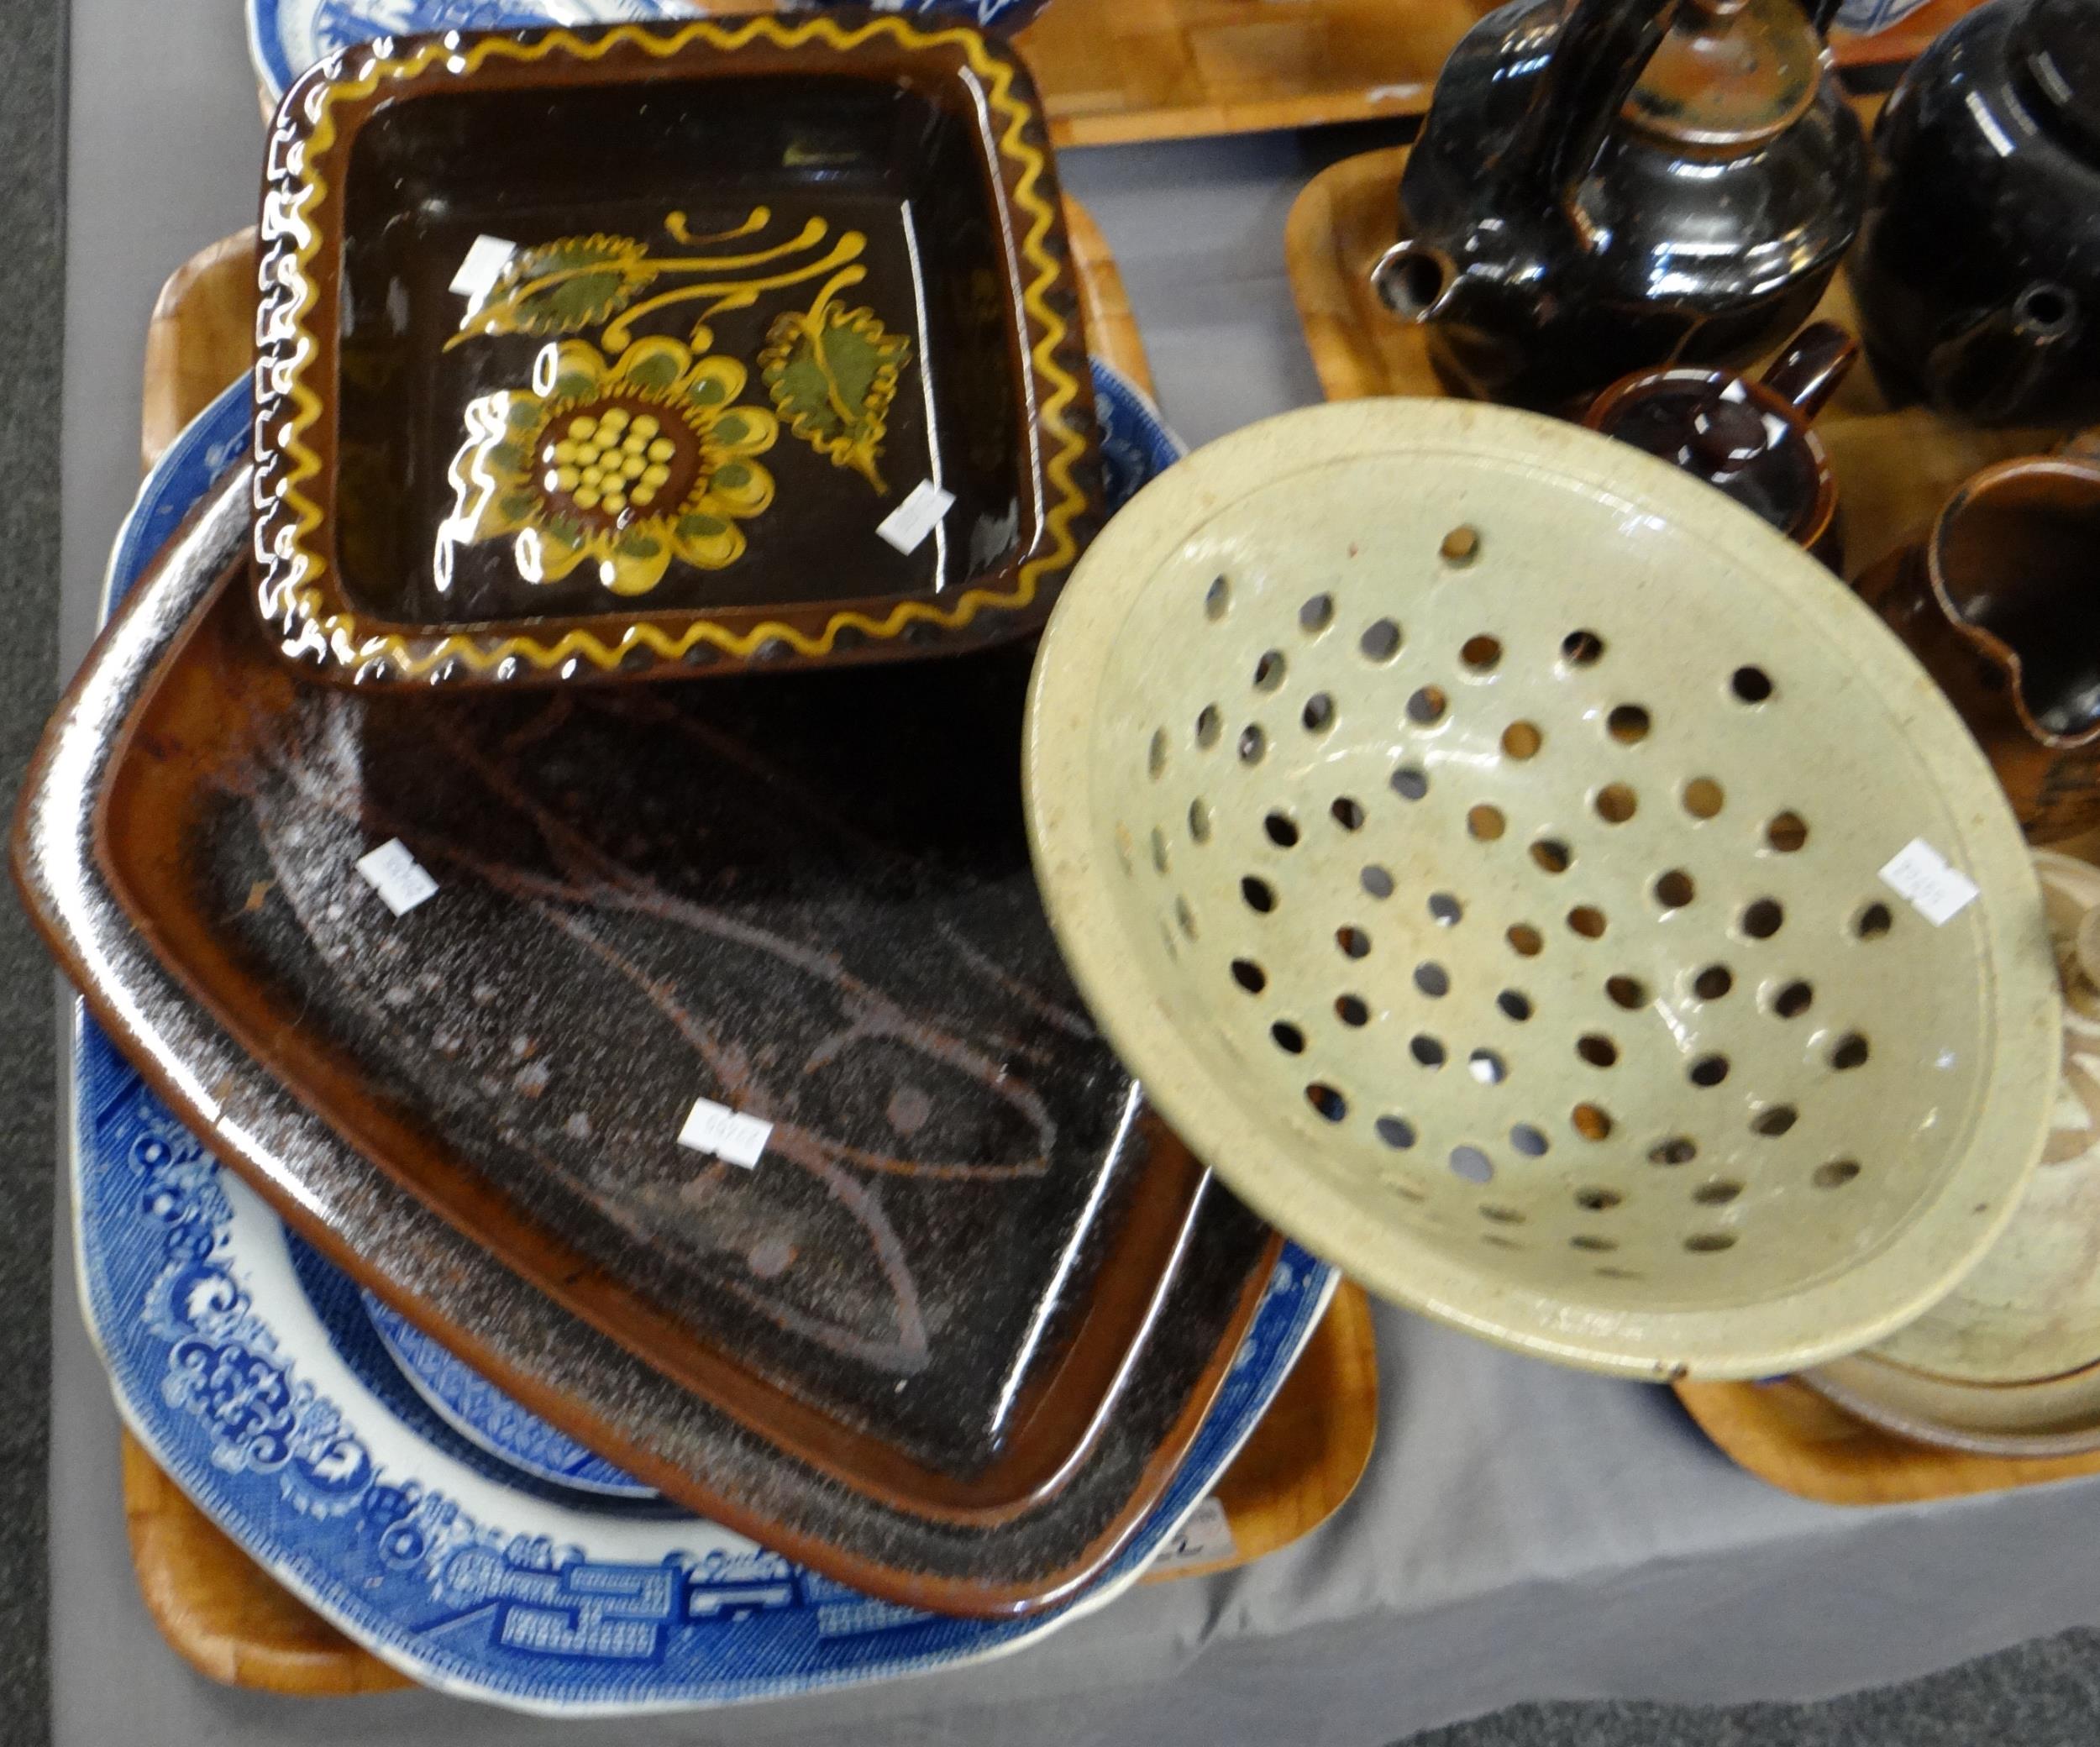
(833, 374)
(562, 287)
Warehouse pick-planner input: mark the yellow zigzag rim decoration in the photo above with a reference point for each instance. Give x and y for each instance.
(298, 598)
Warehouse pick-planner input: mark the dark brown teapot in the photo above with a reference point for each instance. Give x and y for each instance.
(1605, 185)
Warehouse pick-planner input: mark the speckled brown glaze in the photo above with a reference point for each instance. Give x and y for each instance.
(680, 200)
(1019, 1549)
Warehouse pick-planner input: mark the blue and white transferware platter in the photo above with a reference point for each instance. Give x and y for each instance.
(285, 37)
(412, 1505)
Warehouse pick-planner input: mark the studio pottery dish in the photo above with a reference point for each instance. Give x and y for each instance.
(1749, 437)
(1501, 884)
(652, 351)
(1608, 186)
(1978, 269)
(2009, 1363)
(980, 1446)
(2000, 600)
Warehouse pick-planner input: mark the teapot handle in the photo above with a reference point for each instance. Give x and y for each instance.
(1597, 59)
(1810, 371)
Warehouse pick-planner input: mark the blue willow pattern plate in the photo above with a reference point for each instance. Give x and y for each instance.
(285, 37)
(457, 1544)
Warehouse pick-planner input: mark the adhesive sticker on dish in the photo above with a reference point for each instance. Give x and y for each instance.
(1933, 886)
(400, 880)
(729, 1135)
(1204, 1538)
(906, 526)
(485, 258)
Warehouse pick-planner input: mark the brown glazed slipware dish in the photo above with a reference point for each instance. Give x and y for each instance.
(587, 355)
(948, 1340)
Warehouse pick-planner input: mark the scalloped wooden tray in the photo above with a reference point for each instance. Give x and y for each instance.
(224, 1614)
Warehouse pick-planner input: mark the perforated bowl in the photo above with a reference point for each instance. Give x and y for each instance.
(1470, 831)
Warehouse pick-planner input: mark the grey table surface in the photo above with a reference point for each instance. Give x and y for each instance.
(1524, 1532)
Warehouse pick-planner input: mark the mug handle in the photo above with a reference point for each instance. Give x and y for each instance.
(1808, 372)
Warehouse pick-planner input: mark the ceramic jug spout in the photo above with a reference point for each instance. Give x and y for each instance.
(1415, 281)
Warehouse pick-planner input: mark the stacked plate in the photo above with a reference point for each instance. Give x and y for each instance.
(682, 1238)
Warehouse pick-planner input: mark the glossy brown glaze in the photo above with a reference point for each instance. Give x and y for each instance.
(555, 1364)
(751, 286)
(2002, 603)
(1749, 437)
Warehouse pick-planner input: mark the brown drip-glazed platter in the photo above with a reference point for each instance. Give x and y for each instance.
(647, 351)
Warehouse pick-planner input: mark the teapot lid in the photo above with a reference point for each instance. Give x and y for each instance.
(1730, 73)
(2059, 45)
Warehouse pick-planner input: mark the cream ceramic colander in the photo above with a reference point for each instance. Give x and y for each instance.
(1470, 831)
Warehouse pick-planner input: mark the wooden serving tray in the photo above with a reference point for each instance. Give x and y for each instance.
(226, 1616)
(1112, 72)
(1894, 469)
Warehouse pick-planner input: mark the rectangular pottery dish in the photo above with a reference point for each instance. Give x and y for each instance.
(965, 1222)
(652, 350)
(965, 1326)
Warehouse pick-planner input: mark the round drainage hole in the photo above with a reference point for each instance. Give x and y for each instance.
(1488, 1068)
(1553, 855)
(1376, 881)
(1709, 1243)
(1268, 671)
(1200, 819)
(1515, 1004)
(1628, 724)
(1597, 1049)
(1445, 909)
(1353, 941)
(1316, 614)
(1381, 640)
(1712, 983)
(1259, 894)
(1485, 823)
(1752, 685)
(1762, 919)
(1288, 1038)
(1409, 783)
(1616, 804)
(1249, 975)
(1674, 890)
(1710, 1070)
(1598, 1200)
(1427, 705)
(1502, 1215)
(1786, 832)
(1347, 814)
(1351, 1010)
(1703, 798)
(1471, 1163)
(1432, 980)
(1216, 599)
(1581, 648)
(1210, 725)
(1774, 1120)
(1282, 829)
(1461, 546)
(1156, 755)
(1481, 653)
(1426, 1050)
(1526, 940)
(1850, 1052)
(1324, 1099)
(1627, 992)
(1873, 922)
(1717, 1193)
(1253, 743)
(1319, 713)
(1396, 1131)
(1160, 862)
(1522, 740)
(1678, 1150)
(1591, 1121)
(1834, 1175)
(1529, 1141)
(1586, 920)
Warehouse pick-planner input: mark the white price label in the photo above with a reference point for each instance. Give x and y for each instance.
(400, 880)
(1932, 886)
(485, 258)
(1205, 1538)
(729, 1135)
(906, 526)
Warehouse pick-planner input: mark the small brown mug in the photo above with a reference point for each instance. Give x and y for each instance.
(1748, 438)
(2001, 601)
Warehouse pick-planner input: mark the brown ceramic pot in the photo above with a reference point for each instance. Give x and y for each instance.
(2001, 601)
(1749, 437)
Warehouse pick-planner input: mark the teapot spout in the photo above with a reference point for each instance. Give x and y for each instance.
(1415, 281)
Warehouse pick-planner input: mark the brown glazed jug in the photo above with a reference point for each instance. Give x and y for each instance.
(2001, 601)
(1606, 185)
